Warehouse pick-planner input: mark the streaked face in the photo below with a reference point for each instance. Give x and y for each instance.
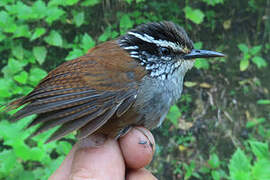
(158, 46)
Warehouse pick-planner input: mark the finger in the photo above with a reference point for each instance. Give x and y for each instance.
(137, 147)
(102, 162)
(140, 174)
(63, 171)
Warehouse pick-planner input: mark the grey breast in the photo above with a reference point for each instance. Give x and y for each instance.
(155, 96)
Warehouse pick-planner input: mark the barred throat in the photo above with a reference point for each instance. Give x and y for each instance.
(164, 71)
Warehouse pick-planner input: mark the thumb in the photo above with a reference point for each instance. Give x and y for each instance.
(101, 162)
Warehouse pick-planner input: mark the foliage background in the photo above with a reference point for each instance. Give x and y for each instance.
(219, 129)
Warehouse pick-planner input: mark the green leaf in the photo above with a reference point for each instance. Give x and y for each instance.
(214, 161)
(125, 23)
(255, 122)
(6, 20)
(17, 51)
(259, 61)
(87, 42)
(216, 175)
(261, 169)
(63, 147)
(53, 14)
(37, 154)
(204, 170)
(114, 34)
(198, 45)
(12, 133)
(26, 175)
(174, 114)
(213, 2)
(39, 10)
(38, 32)
(189, 169)
(8, 25)
(260, 149)
(78, 18)
(106, 34)
(195, 15)
(201, 64)
(255, 49)
(22, 31)
(36, 74)
(54, 39)
(23, 11)
(53, 165)
(246, 56)
(2, 37)
(40, 53)
(14, 66)
(244, 63)
(90, 2)
(26, 153)
(22, 77)
(70, 2)
(5, 89)
(263, 101)
(243, 48)
(54, 3)
(239, 166)
(239, 161)
(21, 150)
(7, 161)
(129, 1)
(74, 54)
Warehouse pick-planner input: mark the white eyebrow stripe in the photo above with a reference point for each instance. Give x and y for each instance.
(134, 56)
(161, 43)
(131, 47)
(133, 52)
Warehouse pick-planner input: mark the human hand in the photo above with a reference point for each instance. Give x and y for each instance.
(118, 160)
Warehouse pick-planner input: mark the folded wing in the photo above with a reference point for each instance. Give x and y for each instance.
(84, 93)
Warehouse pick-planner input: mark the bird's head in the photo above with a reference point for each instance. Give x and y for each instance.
(162, 48)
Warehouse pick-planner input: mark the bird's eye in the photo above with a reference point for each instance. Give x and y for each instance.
(165, 51)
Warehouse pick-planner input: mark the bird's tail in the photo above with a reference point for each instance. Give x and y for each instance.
(12, 105)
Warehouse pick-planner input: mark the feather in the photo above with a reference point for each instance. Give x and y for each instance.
(73, 125)
(66, 96)
(85, 91)
(48, 92)
(13, 105)
(75, 117)
(49, 116)
(95, 124)
(127, 103)
(37, 108)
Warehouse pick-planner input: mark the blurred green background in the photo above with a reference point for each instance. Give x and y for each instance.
(218, 130)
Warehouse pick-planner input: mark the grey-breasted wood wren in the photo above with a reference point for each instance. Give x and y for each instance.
(130, 81)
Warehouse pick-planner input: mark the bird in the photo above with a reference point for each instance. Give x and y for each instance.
(122, 83)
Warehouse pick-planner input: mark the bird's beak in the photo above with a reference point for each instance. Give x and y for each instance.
(195, 53)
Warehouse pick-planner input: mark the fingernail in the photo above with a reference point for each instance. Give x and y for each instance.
(149, 138)
(142, 142)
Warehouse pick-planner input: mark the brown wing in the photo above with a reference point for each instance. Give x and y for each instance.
(85, 91)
